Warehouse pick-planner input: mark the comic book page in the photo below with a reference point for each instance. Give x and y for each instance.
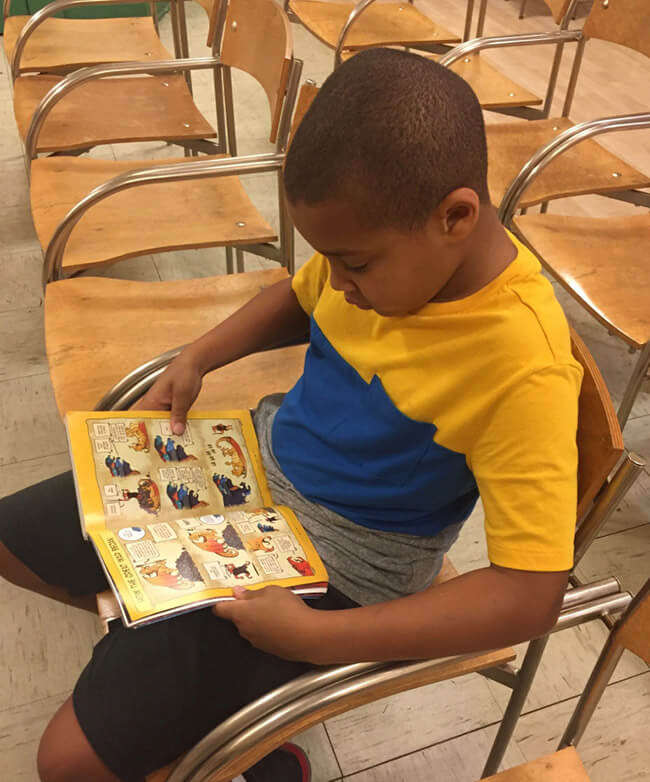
(179, 520)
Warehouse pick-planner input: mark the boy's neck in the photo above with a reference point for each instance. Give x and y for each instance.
(489, 252)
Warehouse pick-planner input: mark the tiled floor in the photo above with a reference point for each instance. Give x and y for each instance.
(436, 734)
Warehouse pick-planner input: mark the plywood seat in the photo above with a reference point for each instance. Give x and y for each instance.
(379, 24)
(124, 323)
(144, 219)
(585, 168)
(108, 111)
(564, 765)
(603, 262)
(492, 88)
(62, 45)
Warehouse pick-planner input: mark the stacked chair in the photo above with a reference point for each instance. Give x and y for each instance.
(90, 212)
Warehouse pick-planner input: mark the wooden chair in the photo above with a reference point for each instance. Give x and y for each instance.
(84, 362)
(602, 262)
(348, 27)
(588, 168)
(44, 44)
(78, 202)
(495, 90)
(632, 632)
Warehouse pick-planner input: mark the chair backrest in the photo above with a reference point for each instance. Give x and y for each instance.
(307, 93)
(558, 8)
(600, 442)
(257, 39)
(633, 631)
(626, 22)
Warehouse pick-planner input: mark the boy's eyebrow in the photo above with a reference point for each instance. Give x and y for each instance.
(337, 253)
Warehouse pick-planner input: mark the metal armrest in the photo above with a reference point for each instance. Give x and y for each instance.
(504, 41)
(197, 169)
(83, 75)
(556, 147)
(40, 16)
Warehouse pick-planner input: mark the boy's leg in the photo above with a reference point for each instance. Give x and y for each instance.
(148, 695)
(41, 546)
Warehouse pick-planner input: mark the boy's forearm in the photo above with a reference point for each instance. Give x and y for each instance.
(269, 318)
(481, 610)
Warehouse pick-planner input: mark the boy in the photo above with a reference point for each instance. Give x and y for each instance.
(439, 368)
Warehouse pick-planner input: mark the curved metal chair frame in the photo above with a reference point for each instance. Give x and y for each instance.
(537, 163)
(177, 10)
(195, 169)
(295, 703)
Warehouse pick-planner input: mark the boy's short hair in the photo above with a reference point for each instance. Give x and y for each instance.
(393, 133)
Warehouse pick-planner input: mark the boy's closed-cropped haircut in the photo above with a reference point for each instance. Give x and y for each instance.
(392, 133)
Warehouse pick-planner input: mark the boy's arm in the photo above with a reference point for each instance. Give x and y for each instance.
(271, 317)
(485, 609)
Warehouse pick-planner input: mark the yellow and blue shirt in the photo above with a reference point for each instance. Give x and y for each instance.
(399, 423)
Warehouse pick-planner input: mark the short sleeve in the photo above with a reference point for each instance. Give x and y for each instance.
(309, 280)
(525, 463)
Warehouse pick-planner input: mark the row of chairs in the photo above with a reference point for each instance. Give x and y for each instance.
(84, 363)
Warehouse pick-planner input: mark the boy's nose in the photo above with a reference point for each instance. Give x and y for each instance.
(339, 281)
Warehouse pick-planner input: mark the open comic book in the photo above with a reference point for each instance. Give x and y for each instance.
(178, 521)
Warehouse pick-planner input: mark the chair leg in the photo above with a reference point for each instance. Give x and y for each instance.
(634, 385)
(229, 265)
(239, 255)
(515, 705)
(522, 8)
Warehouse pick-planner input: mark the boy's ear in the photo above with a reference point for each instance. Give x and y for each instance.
(458, 213)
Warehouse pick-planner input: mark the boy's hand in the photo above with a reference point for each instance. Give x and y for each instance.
(175, 390)
(273, 619)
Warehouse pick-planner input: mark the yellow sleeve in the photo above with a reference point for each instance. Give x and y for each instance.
(525, 463)
(309, 280)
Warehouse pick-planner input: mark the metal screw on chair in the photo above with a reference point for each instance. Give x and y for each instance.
(511, 94)
(467, 59)
(234, 26)
(240, 224)
(556, 127)
(186, 124)
(165, 84)
(147, 54)
(605, 3)
(616, 174)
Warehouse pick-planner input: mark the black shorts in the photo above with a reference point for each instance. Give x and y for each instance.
(148, 694)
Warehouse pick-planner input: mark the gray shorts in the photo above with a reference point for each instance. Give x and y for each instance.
(367, 565)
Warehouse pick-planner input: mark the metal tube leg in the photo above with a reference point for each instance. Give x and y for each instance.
(522, 8)
(634, 385)
(515, 705)
(239, 255)
(229, 264)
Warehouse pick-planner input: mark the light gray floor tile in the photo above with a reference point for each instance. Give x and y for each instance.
(21, 275)
(315, 743)
(614, 747)
(469, 552)
(458, 760)
(142, 268)
(188, 264)
(410, 721)
(31, 424)
(20, 732)
(17, 231)
(21, 334)
(625, 555)
(637, 437)
(15, 188)
(16, 476)
(633, 510)
(45, 645)
(566, 664)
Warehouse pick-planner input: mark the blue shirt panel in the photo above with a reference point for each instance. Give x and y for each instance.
(345, 445)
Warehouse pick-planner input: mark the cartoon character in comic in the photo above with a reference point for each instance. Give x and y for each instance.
(263, 526)
(170, 451)
(138, 431)
(261, 543)
(147, 495)
(119, 468)
(239, 571)
(182, 497)
(301, 565)
(221, 428)
(231, 494)
(159, 573)
(230, 449)
(210, 540)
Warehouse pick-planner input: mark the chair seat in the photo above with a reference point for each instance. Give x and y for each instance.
(379, 24)
(62, 45)
(603, 262)
(492, 88)
(585, 168)
(144, 219)
(562, 766)
(154, 317)
(109, 111)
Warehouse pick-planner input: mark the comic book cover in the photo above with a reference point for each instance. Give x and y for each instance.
(177, 521)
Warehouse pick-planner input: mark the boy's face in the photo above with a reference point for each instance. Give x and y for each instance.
(387, 270)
